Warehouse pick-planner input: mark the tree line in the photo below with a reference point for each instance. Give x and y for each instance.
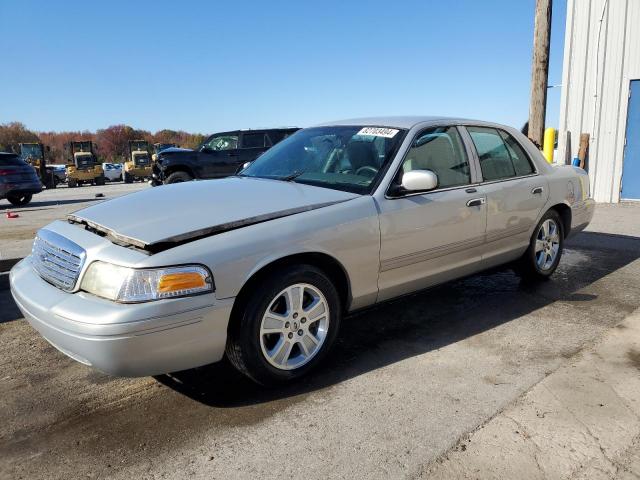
(111, 143)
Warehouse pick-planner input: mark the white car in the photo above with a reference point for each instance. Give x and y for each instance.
(112, 171)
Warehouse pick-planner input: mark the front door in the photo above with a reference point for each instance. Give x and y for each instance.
(220, 156)
(431, 237)
(631, 165)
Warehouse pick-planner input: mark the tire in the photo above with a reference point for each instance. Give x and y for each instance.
(128, 178)
(178, 177)
(20, 200)
(297, 344)
(100, 180)
(72, 183)
(545, 248)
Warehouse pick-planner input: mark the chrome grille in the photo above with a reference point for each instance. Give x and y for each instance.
(57, 259)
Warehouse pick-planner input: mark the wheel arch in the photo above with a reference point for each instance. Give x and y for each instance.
(564, 211)
(323, 261)
(180, 167)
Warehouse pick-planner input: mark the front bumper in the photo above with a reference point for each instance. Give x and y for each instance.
(123, 339)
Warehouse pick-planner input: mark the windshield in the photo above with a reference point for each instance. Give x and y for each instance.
(30, 151)
(349, 158)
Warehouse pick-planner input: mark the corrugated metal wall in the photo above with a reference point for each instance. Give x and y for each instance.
(600, 59)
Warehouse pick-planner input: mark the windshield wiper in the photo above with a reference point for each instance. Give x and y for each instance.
(292, 176)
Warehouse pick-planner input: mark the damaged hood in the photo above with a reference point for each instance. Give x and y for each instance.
(161, 217)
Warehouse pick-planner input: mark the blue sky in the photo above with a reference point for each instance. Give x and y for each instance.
(205, 66)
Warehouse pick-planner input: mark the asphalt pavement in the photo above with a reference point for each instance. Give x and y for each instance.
(405, 384)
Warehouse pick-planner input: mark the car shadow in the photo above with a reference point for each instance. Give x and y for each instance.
(422, 322)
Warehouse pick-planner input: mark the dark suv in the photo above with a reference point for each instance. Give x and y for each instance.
(18, 180)
(220, 155)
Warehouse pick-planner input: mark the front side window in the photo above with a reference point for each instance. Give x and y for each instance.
(222, 142)
(348, 158)
(500, 155)
(440, 150)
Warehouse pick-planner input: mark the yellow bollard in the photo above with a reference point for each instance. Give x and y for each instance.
(549, 143)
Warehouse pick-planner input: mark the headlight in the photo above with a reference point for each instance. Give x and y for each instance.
(129, 285)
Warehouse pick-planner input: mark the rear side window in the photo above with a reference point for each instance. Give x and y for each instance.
(441, 151)
(10, 160)
(276, 136)
(279, 135)
(499, 153)
(519, 158)
(253, 140)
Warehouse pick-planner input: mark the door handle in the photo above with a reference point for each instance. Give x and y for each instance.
(471, 190)
(476, 202)
(537, 190)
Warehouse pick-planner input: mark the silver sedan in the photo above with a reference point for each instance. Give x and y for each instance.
(262, 266)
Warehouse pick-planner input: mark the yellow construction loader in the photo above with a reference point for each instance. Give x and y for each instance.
(34, 155)
(82, 165)
(138, 164)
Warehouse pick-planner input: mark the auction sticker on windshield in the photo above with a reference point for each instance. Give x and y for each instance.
(378, 132)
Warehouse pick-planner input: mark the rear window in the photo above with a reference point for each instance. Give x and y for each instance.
(13, 160)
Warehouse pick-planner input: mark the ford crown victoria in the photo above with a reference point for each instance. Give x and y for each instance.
(262, 266)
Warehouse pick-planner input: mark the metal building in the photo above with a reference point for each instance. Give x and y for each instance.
(601, 94)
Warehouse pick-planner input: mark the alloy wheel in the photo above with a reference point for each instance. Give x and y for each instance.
(294, 326)
(547, 244)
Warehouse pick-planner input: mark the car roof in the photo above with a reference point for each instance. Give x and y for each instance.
(257, 130)
(406, 122)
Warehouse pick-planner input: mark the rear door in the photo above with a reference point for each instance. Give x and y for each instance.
(431, 237)
(515, 193)
(252, 145)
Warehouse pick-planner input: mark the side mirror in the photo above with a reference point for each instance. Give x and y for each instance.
(243, 166)
(419, 181)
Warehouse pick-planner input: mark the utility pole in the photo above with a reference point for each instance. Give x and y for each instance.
(540, 70)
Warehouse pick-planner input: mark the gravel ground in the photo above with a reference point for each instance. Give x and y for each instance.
(405, 382)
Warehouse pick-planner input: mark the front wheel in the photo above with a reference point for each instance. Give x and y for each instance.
(545, 248)
(178, 177)
(286, 326)
(20, 200)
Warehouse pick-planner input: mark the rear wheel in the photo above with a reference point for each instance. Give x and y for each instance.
(72, 183)
(100, 180)
(20, 200)
(545, 248)
(286, 326)
(177, 177)
(128, 178)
